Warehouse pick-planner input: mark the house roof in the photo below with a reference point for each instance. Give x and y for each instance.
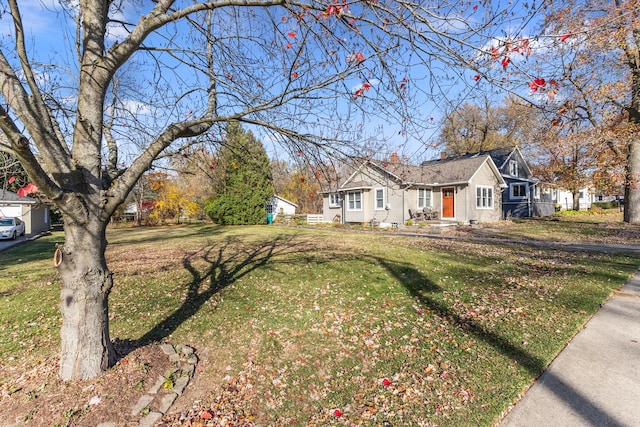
(9, 196)
(275, 196)
(500, 157)
(449, 171)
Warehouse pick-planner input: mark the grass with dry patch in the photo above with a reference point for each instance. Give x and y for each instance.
(304, 327)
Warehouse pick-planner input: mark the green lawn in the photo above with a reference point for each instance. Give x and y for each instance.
(383, 328)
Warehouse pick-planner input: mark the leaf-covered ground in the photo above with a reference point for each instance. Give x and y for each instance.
(309, 327)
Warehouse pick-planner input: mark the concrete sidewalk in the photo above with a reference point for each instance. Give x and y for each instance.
(595, 380)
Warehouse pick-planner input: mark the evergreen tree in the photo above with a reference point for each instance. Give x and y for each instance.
(246, 183)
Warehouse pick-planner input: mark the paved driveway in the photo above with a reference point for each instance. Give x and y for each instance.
(5, 244)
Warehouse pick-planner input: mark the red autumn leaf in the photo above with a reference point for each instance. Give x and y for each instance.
(386, 382)
(284, 18)
(476, 77)
(366, 86)
(206, 415)
(294, 75)
(13, 178)
(554, 83)
(475, 7)
(312, 195)
(21, 192)
(537, 83)
(565, 37)
(292, 34)
(299, 152)
(358, 93)
(351, 21)
(185, 155)
(334, 10)
(337, 413)
(359, 57)
(289, 45)
(505, 63)
(31, 188)
(302, 179)
(495, 53)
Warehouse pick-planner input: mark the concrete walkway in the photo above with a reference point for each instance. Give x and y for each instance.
(595, 380)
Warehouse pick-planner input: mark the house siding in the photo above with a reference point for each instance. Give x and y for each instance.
(35, 215)
(485, 178)
(400, 185)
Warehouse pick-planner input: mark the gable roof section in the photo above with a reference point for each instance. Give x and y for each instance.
(432, 173)
(275, 196)
(352, 184)
(11, 197)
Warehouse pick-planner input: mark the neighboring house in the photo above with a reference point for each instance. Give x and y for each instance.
(525, 195)
(388, 193)
(585, 197)
(279, 205)
(138, 211)
(32, 212)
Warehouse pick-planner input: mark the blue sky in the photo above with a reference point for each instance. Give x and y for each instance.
(53, 32)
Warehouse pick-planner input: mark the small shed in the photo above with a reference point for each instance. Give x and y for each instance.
(32, 212)
(280, 206)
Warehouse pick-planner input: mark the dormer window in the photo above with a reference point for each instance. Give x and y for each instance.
(513, 168)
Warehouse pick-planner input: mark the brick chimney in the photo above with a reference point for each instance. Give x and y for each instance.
(394, 158)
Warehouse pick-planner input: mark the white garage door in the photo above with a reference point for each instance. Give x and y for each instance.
(10, 211)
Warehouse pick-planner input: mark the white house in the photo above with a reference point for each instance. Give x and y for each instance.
(280, 206)
(586, 197)
(32, 212)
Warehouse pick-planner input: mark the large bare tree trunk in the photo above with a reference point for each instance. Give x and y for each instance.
(632, 168)
(86, 283)
(576, 200)
(632, 185)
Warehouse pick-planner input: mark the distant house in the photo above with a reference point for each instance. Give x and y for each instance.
(387, 193)
(525, 195)
(32, 212)
(280, 206)
(138, 211)
(586, 197)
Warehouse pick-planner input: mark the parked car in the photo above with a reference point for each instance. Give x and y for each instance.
(10, 228)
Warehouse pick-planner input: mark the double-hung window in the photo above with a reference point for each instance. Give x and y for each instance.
(354, 200)
(518, 191)
(379, 199)
(424, 198)
(484, 197)
(335, 201)
(513, 168)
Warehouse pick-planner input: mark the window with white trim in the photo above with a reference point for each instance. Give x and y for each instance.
(484, 197)
(354, 200)
(518, 191)
(424, 198)
(379, 199)
(335, 200)
(513, 168)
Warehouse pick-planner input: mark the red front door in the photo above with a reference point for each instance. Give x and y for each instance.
(448, 202)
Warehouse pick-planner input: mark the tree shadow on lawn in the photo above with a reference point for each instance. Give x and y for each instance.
(422, 289)
(224, 263)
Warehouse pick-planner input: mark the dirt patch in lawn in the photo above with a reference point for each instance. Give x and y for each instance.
(38, 397)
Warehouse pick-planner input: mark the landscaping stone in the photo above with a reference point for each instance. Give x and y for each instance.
(150, 419)
(168, 349)
(180, 384)
(157, 386)
(166, 402)
(143, 402)
(183, 373)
